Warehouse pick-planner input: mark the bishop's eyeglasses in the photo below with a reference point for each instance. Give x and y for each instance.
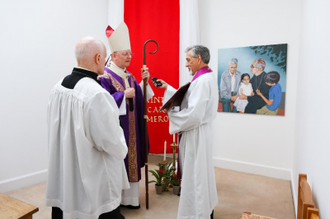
(125, 54)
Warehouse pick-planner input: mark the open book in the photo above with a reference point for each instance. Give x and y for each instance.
(176, 99)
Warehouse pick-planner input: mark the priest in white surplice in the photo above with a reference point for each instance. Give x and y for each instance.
(87, 146)
(193, 121)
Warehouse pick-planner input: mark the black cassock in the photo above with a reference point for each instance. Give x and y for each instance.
(256, 102)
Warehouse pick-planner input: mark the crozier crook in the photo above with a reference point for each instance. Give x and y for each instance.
(146, 118)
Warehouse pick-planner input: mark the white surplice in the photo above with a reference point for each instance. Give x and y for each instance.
(87, 149)
(198, 110)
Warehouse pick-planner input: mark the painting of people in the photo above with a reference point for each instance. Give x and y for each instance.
(252, 80)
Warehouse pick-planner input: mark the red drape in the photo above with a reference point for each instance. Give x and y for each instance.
(157, 20)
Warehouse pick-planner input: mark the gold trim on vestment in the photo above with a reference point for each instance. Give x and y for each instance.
(132, 151)
(132, 165)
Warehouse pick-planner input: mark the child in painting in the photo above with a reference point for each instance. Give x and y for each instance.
(246, 89)
(275, 94)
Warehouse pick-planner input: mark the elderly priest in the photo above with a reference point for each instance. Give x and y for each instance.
(86, 143)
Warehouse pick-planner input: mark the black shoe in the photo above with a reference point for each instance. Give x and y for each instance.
(112, 214)
(130, 206)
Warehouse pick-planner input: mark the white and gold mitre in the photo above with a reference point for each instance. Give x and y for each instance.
(119, 38)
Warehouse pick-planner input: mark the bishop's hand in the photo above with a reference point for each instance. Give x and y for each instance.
(145, 73)
(129, 93)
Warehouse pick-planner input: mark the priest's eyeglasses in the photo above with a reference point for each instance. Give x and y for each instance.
(125, 54)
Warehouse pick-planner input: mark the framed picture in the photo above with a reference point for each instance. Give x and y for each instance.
(252, 79)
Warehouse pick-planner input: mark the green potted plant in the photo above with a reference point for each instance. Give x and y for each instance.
(175, 183)
(158, 174)
(167, 176)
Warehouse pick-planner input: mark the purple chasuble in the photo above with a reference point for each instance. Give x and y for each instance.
(132, 123)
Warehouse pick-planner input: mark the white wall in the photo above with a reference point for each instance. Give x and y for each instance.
(253, 143)
(280, 147)
(37, 41)
(313, 119)
(36, 50)
(37, 46)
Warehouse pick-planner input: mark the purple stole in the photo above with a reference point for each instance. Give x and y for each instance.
(201, 71)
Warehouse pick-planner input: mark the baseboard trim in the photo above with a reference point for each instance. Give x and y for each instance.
(253, 168)
(23, 181)
(294, 189)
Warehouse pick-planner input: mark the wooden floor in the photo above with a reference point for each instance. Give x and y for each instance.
(237, 193)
